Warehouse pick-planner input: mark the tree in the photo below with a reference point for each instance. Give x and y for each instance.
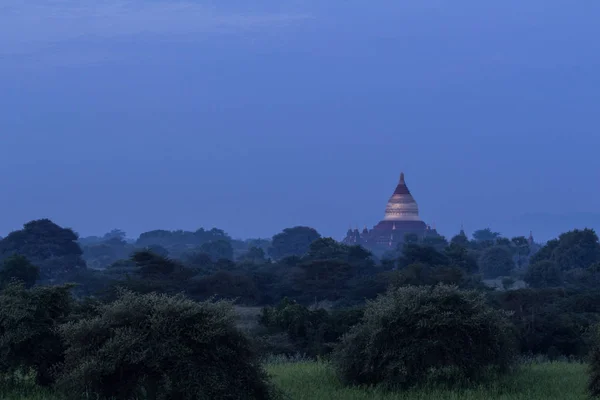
(522, 249)
(293, 242)
(574, 249)
(594, 357)
(254, 255)
(29, 319)
(461, 239)
(436, 241)
(158, 250)
(53, 249)
(161, 347)
(485, 235)
(20, 269)
(412, 335)
(217, 250)
(544, 274)
(414, 254)
(496, 261)
(459, 256)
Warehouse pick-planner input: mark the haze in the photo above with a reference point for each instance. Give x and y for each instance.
(256, 116)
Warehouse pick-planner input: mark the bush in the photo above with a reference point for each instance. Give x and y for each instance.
(161, 347)
(18, 268)
(313, 332)
(594, 358)
(412, 335)
(28, 322)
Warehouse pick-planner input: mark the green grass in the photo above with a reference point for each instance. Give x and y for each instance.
(316, 381)
(548, 381)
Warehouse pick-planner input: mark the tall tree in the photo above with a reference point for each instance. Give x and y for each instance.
(52, 248)
(20, 269)
(293, 242)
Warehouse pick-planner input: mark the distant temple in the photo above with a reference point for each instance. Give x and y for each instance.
(401, 219)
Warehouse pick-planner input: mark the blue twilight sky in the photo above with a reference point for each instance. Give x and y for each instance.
(253, 116)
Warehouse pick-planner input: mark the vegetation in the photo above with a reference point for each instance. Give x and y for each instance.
(412, 335)
(160, 347)
(458, 310)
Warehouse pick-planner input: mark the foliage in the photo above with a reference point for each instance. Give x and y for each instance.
(496, 261)
(292, 242)
(314, 332)
(543, 274)
(161, 346)
(594, 368)
(485, 235)
(53, 249)
(28, 322)
(552, 319)
(417, 254)
(218, 250)
(226, 285)
(574, 249)
(420, 274)
(534, 381)
(20, 269)
(414, 334)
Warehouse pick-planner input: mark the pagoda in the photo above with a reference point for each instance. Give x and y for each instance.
(401, 219)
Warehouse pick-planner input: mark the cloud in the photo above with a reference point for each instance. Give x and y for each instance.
(25, 25)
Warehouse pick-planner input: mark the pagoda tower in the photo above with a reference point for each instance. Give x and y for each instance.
(401, 218)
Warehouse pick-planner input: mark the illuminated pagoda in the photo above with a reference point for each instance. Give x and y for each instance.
(401, 219)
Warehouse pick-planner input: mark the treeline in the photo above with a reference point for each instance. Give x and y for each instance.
(87, 330)
(552, 290)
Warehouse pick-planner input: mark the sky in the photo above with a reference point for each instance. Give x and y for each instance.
(257, 116)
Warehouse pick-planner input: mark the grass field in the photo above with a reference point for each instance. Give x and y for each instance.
(316, 381)
(548, 381)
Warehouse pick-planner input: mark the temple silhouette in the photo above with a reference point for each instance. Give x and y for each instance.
(401, 219)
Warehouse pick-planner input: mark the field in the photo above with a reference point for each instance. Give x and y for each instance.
(316, 381)
(548, 381)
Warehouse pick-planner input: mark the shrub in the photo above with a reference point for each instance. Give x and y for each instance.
(412, 335)
(314, 332)
(594, 358)
(18, 268)
(161, 347)
(28, 322)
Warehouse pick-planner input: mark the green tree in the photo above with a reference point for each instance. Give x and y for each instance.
(53, 249)
(29, 319)
(459, 256)
(544, 274)
(412, 335)
(594, 359)
(415, 254)
(293, 242)
(20, 269)
(161, 347)
(574, 249)
(254, 255)
(218, 249)
(461, 239)
(496, 261)
(485, 235)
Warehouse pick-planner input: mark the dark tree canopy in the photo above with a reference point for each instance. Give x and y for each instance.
(574, 249)
(293, 242)
(485, 235)
(52, 248)
(496, 261)
(218, 249)
(20, 269)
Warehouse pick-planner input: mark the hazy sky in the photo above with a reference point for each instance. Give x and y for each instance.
(260, 115)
